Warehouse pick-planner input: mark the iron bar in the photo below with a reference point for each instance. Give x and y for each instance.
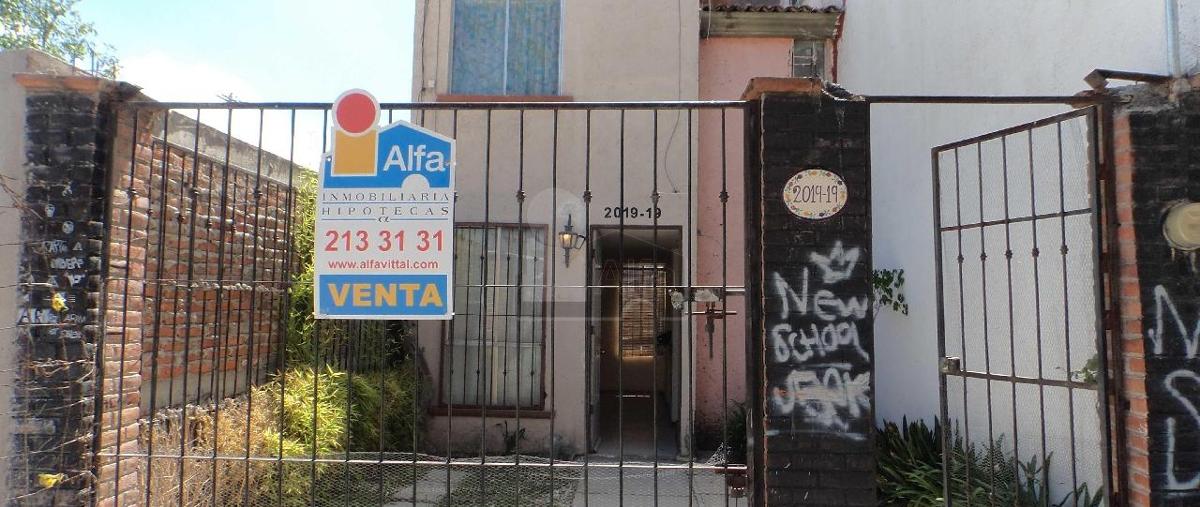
(987, 349)
(1064, 249)
(620, 318)
(588, 327)
(157, 334)
(473, 105)
(554, 297)
(428, 463)
(962, 319)
(1037, 298)
(1012, 345)
(724, 198)
(1017, 220)
(654, 298)
(1110, 350)
(1017, 379)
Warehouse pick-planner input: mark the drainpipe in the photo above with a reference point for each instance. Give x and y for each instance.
(1172, 20)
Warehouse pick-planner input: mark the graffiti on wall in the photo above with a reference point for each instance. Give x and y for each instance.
(1176, 336)
(814, 335)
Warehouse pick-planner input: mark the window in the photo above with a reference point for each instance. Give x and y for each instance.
(808, 58)
(494, 355)
(644, 307)
(505, 47)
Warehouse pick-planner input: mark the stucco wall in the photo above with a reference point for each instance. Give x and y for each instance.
(12, 170)
(610, 51)
(931, 47)
(1001, 48)
(726, 66)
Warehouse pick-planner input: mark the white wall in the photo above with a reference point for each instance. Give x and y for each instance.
(12, 169)
(935, 47)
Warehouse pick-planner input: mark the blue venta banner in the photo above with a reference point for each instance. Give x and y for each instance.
(385, 219)
(384, 295)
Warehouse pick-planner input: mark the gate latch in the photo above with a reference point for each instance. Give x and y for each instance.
(951, 365)
(712, 314)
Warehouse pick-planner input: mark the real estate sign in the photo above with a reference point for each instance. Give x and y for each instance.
(385, 218)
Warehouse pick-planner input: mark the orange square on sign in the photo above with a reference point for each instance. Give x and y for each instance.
(354, 155)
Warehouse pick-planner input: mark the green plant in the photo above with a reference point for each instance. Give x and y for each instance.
(512, 439)
(311, 421)
(1088, 372)
(313, 408)
(390, 394)
(910, 471)
(300, 320)
(888, 285)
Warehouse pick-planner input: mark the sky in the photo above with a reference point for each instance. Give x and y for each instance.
(260, 50)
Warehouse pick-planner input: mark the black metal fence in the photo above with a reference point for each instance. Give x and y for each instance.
(219, 388)
(1026, 391)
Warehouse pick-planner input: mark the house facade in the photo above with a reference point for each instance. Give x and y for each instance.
(644, 321)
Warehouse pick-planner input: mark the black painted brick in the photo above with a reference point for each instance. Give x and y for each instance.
(63, 139)
(1167, 166)
(806, 465)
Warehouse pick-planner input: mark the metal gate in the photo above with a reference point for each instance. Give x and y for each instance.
(593, 357)
(1022, 290)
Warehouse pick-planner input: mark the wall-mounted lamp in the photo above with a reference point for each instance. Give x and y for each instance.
(569, 240)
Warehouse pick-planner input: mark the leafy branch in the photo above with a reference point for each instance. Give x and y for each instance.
(55, 27)
(888, 285)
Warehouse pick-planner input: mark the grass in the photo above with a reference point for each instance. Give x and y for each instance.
(503, 483)
(301, 413)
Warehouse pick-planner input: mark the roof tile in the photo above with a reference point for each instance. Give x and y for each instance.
(770, 6)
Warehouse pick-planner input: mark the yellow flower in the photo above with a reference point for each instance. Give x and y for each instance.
(58, 302)
(50, 480)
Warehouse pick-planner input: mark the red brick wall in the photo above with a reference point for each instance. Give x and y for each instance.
(1132, 350)
(194, 305)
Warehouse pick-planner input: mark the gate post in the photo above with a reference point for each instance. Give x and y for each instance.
(1157, 287)
(809, 294)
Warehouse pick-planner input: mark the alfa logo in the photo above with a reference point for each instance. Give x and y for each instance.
(364, 155)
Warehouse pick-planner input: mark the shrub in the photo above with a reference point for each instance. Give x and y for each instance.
(310, 420)
(910, 471)
(392, 394)
(223, 430)
(313, 408)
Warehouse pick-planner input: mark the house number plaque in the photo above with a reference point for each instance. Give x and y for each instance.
(815, 194)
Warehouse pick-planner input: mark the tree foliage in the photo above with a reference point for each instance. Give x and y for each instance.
(55, 27)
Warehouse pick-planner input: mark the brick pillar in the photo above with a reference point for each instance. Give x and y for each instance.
(62, 231)
(1157, 162)
(808, 283)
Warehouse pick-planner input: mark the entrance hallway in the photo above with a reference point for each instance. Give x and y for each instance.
(633, 430)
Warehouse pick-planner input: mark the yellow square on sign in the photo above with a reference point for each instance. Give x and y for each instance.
(354, 155)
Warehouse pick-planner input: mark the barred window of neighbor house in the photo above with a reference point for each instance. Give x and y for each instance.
(808, 58)
(494, 355)
(505, 47)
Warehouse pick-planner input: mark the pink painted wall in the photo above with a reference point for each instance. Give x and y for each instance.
(726, 66)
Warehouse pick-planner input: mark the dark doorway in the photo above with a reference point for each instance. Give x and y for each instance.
(637, 382)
